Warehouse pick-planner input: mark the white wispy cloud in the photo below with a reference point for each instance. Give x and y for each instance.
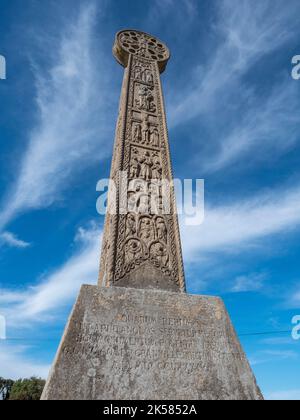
(185, 10)
(10, 296)
(292, 300)
(295, 299)
(42, 304)
(247, 34)
(249, 283)
(242, 224)
(58, 289)
(269, 125)
(227, 229)
(71, 96)
(287, 395)
(15, 363)
(239, 115)
(11, 240)
(269, 356)
(280, 341)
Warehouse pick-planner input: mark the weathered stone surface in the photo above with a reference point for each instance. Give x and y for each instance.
(142, 336)
(141, 245)
(145, 344)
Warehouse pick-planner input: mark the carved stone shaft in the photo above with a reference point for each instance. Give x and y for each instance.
(141, 243)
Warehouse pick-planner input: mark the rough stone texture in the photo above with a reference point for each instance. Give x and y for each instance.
(141, 245)
(127, 340)
(145, 344)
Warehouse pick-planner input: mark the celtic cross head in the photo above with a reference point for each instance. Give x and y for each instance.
(142, 45)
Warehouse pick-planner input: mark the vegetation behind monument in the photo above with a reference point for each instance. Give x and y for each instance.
(22, 389)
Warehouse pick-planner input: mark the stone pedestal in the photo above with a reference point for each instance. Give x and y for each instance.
(146, 344)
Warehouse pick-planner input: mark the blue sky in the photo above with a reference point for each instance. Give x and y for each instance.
(233, 116)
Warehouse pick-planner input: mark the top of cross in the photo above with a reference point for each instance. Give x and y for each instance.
(140, 44)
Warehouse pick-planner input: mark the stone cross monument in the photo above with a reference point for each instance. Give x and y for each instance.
(141, 246)
(138, 335)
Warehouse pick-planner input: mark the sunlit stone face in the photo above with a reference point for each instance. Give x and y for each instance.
(142, 45)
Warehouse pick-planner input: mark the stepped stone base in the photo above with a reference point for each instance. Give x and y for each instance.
(132, 344)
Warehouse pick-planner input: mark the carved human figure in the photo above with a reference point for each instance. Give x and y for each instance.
(145, 132)
(138, 73)
(137, 133)
(135, 167)
(160, 253)
(143, 76)
(130, 225)
(142, 93)
(154, 188)
(154, 193)
(150, 101)
(146, 167)
(156, 169)
(154, 137)
(143, 204)
(132, 250)
(156, 205)
(138, 185)
(146, 232)
(161, 230)
(146, 99)
(149, 77)
(132, 202)
(160, 205)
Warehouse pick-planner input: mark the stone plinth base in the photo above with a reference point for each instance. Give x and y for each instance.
(146, 344)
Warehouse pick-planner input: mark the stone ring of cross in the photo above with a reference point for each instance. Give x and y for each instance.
(142, 45)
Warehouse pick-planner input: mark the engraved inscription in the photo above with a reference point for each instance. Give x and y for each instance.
(134, 342)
